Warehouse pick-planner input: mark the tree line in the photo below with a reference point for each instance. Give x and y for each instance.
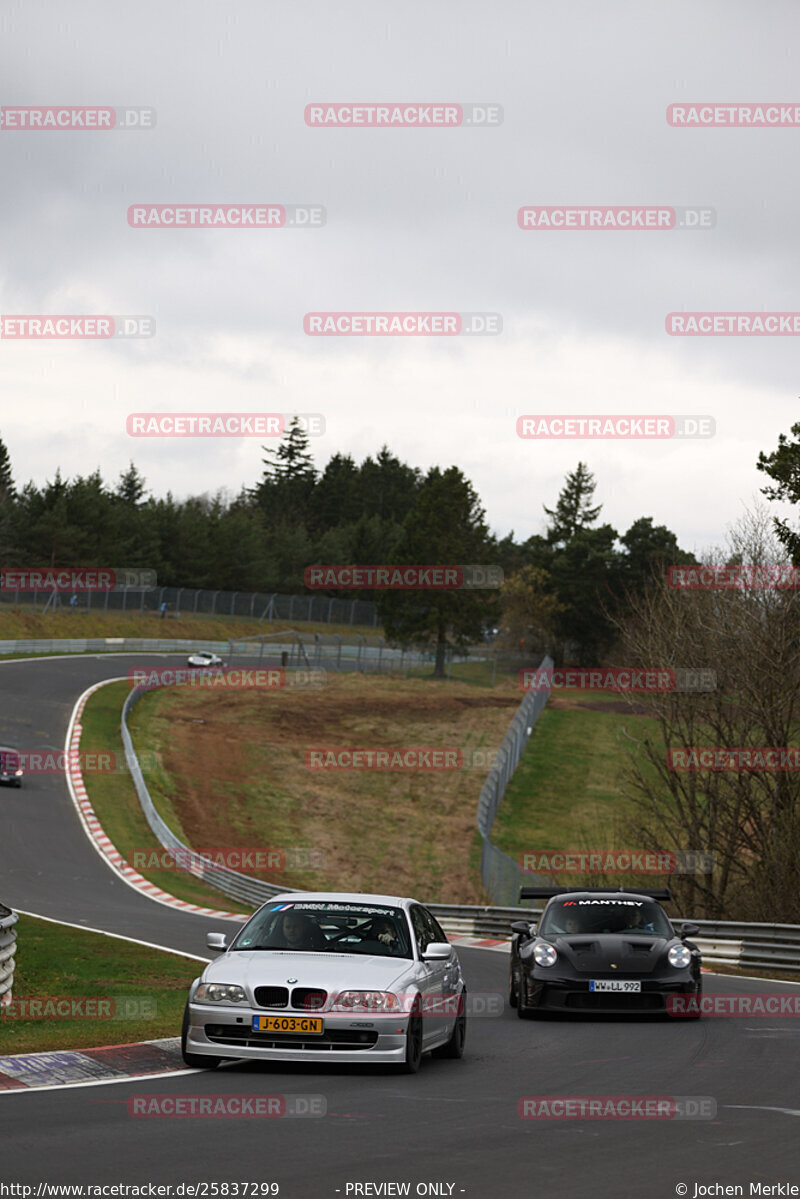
(562, 589)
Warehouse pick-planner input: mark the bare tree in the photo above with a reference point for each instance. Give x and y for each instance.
(748, 635)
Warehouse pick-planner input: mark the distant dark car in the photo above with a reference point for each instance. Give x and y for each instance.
(599, 951)
(11, 771)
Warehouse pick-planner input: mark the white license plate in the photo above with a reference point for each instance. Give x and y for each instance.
(615, 984)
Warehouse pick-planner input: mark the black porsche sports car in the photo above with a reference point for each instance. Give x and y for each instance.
(600, 951)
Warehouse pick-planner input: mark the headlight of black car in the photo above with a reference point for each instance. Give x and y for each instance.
(544, 954)
(679, 956)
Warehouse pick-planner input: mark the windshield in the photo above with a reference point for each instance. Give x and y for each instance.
(308, 927)
(642, 917)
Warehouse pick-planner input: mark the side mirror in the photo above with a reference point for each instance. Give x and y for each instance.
(217, 941)
(521, 927)
(437, 951)
(689, 930)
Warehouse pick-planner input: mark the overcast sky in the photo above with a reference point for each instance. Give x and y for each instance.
(417, 219)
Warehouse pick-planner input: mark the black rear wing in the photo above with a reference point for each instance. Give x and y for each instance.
(549, 892)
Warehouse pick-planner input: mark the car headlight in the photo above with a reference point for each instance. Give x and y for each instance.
(367, 1001)
(679, 956)
(220, 993)
(544, 954)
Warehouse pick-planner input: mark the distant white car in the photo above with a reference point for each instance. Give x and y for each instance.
(329, 977)
(204, 658)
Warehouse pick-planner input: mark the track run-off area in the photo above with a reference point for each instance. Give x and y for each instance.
(452, 1129)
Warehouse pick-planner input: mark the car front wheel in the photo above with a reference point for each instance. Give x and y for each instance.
(413, 1056)
(196, 1061)
(513, 998)
(523, 1011)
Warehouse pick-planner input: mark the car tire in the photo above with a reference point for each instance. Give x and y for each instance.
(413, 1056)
(454, 1047)
(698, 995)
(513, 998)
(523, 1011)
(196, 1061)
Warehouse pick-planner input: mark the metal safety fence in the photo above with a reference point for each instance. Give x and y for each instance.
(500, 874)
(8, 949)
(171, 602)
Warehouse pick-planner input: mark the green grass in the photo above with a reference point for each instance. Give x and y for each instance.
(144, 990)
(566, 792)
(114, 799)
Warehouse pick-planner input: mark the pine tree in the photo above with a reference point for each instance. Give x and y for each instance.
(6, 480)
(573, 511)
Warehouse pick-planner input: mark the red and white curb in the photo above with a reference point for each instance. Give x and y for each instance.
(96, 833)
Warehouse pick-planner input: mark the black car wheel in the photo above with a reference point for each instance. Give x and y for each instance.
(454, 1047)
(523, 1010)
(513, 998)
(413, 1056)
(197, 1061)
(698, 995)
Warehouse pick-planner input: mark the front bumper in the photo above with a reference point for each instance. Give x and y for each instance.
(572, 995)
(220, 1031)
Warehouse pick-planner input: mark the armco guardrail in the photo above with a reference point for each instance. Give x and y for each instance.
(303, 651)
(501, 876)
(8, 949)
(119, 645)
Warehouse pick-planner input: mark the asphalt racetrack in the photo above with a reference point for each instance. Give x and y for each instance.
(452, 1129)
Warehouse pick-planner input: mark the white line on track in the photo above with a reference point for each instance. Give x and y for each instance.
(172, 907)
(118, 936)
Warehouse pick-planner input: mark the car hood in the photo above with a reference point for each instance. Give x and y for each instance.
(629, 954)
(328, 971)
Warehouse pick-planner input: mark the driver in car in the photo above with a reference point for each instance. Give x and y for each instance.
(296, 931)
(386, 933)
(638, 924)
